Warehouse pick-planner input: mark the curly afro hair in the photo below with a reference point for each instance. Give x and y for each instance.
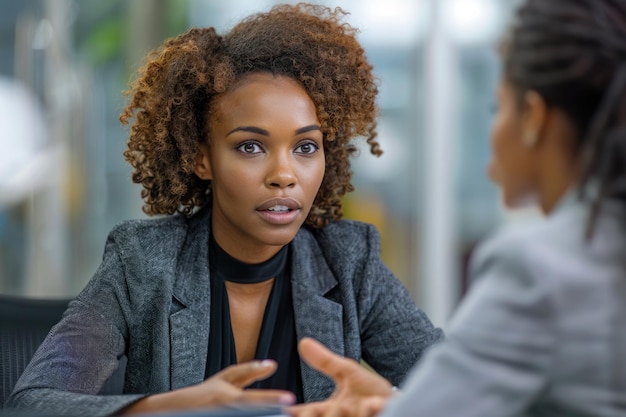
(172, 95)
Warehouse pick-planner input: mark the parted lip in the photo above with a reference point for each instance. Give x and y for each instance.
(288, 202)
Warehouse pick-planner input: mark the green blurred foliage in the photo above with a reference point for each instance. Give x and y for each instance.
(104, 43)
(102, 27)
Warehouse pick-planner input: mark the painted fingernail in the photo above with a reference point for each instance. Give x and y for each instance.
(266, 363)
(287, 399)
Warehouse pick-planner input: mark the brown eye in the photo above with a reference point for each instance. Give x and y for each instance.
(249, 148)
(307, 148)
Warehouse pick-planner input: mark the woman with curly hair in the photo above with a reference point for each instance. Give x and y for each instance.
(243, 142)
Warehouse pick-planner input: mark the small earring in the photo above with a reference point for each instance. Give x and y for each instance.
(529, 139)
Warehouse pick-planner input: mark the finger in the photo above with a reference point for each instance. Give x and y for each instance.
(321, 358)
(267, 396)
(339, 409)
(316, 411)
(371, 406)
(308, 410)
(244, 374)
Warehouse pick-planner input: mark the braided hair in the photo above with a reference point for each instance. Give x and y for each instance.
(573, 53)
(174, 92)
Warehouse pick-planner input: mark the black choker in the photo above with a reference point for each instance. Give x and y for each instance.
(226, 268)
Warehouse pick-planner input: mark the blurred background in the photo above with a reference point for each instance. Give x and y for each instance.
(64, 183)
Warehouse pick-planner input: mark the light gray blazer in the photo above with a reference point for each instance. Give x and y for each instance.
(542, 331)
(150, 300)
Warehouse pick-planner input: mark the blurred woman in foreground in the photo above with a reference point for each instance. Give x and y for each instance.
(543, 330)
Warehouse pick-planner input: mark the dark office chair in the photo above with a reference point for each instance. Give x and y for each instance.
(24, 323)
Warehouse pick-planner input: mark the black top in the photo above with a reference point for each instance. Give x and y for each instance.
(277, 339)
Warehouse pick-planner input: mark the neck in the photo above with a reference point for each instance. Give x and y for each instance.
(249, 290)
(558, 167)
(243, 250)
(555, 184)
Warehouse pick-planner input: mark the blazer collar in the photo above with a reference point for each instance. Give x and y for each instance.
(189, 321)
(309, 267)
(192, 272)
(316, 315)
(579, 196)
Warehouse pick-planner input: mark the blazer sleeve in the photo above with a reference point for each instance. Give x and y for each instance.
(81, 351)
(394, 332)
(499, 347)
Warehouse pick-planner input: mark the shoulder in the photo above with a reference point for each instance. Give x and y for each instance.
(152, 230)
(160, 235)
(554, 249)
(511, 240)
(345, 249)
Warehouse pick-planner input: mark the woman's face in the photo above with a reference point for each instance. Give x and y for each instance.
(266, 164)
(512, 166)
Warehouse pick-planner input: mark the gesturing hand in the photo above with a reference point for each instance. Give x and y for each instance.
(222, 389)
(359, 392)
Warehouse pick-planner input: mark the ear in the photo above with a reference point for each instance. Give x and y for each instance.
(535, 118)
(202, 167)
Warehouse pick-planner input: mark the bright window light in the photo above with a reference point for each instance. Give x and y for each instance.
(473, 22)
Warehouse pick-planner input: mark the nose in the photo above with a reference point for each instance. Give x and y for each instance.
(281, 172)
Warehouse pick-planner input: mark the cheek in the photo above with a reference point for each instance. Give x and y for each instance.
(495, 143)
(234, 180)
(312, 176)
(321, 170)
(510, 169)
(502, 133)
(505, 145)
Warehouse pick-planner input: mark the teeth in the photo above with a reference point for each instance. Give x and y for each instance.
(278, 208)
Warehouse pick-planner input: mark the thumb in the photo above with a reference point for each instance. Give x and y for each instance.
(321, 358)
(244, 374)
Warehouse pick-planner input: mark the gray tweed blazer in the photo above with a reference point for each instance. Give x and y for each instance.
(149, 300)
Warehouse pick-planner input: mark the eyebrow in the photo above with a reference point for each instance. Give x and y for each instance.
(264, 132)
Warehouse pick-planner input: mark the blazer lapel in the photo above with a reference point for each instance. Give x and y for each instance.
(316, 316)
(189, 320)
